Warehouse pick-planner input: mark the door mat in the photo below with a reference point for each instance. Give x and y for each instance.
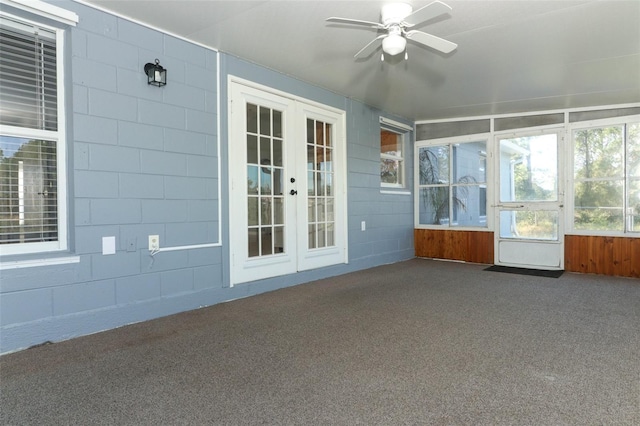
(525, 271)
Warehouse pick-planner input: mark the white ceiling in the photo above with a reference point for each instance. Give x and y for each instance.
(512, 56)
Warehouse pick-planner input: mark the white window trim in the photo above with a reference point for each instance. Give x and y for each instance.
(60, 136)
(570, 184)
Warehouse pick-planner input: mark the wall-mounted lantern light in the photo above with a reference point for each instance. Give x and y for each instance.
(156, 74)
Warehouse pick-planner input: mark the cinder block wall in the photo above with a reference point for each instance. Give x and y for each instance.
(144, 160)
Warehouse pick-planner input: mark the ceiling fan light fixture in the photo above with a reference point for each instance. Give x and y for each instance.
(394, 44)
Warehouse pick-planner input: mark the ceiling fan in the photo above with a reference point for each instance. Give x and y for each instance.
(397, 30)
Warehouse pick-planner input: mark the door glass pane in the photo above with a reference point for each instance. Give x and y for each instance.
(265, 151)
(312, 209)
(311, 184)
(277, 124)
(321, 213)
(328, 160)
(252, 179)
(310, 133)
(265, 181)
(312, 236)
(277, 152)
(322, 241)
(310, 157)
(278, 211)
(278, 239)
(330, 235)
(319, 133)
(253, 242)
(252, 118)
(265, 210)
(529, 168)
(252, 149)
(265, 121)
(266, 241)
(277, 181)
(319, 180)
(253, 210)
(534, 224)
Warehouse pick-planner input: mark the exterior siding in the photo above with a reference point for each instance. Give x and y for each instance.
(144, 160)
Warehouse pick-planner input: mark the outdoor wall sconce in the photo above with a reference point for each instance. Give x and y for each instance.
(156, 73)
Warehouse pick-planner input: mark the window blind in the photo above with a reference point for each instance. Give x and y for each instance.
(27, 76)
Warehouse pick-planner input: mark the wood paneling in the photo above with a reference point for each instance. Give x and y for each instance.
(470, 246)
(586, 254)
(602, 255)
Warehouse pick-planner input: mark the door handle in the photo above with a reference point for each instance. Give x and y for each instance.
(502, 206)
(293, 192)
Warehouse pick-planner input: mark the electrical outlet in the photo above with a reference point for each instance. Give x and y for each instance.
(363, 226)
(154, 242)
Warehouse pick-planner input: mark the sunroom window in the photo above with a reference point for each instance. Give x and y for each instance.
(452, 184)
(606, 172)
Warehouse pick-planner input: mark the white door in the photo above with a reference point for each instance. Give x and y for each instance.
(529, 218)
(287, 185)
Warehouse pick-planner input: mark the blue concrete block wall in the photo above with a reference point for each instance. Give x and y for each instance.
(144, 160)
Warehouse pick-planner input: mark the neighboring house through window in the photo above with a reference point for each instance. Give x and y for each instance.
(452, 184)
(32, 138)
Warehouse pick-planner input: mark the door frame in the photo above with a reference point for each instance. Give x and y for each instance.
(535, 247)
(284, 266)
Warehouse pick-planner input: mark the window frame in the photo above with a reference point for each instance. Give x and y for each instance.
(399, 158)
(572, 128)
(486, 185)
(58, 136)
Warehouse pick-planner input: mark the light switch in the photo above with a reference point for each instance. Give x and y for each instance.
(108, 245)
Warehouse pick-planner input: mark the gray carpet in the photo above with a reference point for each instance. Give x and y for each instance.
(417, 342)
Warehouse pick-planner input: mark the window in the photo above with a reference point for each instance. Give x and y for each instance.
(32, 166)
(606, 170)
(452, 184)
(391, 159)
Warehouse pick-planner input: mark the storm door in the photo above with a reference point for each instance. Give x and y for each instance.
(529, 213)
(287, 185)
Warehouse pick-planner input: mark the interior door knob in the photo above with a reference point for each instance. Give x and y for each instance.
(293, 192)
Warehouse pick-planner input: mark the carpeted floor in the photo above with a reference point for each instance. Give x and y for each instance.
(417, 342)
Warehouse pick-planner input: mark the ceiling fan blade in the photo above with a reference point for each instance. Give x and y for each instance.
(427, 12)
(354, 22)
(366, 51)
(431, 41)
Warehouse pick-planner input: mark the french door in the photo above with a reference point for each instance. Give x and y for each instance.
(287, 184)
(529, 211)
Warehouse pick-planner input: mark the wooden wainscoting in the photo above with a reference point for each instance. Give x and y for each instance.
(470, 246)
(602, 255)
